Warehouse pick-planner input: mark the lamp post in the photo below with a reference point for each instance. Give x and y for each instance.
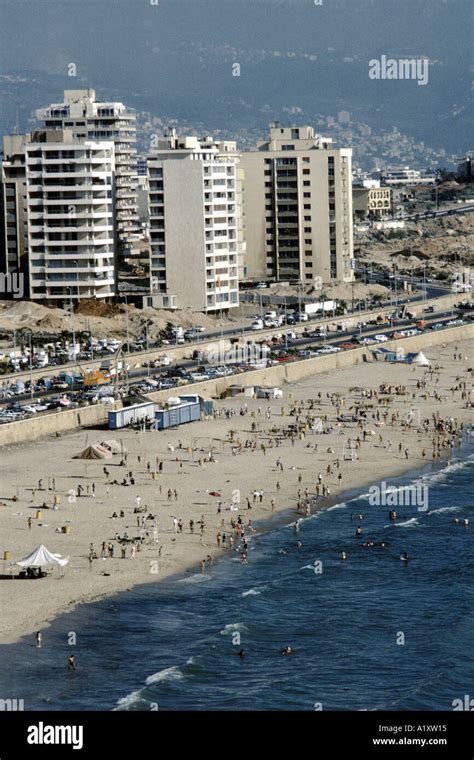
(126, 320)
(31, 367)
(148, 348)
(71, 306)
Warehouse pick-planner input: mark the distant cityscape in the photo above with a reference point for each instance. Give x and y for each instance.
(99, 202)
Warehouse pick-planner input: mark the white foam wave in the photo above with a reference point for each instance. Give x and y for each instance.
(255, 591)
(342, 505)
(411, 523)
(195, 579)
(128, 701)
(444, 509)
(168, 674)
(435, 477)
(233, 627)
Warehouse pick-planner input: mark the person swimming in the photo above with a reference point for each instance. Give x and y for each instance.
(286, 650)
(404, 557)
(242, 653)
(343, 555)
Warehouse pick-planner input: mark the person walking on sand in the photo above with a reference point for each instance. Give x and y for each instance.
(29, 523)
(203, 565)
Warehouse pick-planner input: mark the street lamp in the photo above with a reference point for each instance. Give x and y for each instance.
(126, 323)
(71, 306)
(31, 367)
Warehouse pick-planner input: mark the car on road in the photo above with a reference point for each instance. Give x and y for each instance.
(381, 338)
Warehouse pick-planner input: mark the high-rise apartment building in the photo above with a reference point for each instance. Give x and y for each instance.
(70, 216)
(13, 241)
(195, 224)
(90, 119)
(297, 192)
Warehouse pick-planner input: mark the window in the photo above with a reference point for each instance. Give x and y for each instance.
(305, 171)
(307, 229)
(306, 183)
(308, 241)
(307, 218)
(287, 147)
(307, 206)
(306, 195)
(308, 264)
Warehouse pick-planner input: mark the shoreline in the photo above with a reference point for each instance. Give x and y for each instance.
(181, 553)
(264, 525)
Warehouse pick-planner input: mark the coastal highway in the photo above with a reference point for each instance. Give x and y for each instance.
(333, 338)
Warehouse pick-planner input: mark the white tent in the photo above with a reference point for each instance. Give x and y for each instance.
(114, 446)
(41, 557)
(421, 360)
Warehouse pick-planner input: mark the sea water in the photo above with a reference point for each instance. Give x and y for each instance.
(368, 633)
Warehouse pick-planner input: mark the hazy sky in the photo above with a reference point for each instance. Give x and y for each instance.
(177, 57)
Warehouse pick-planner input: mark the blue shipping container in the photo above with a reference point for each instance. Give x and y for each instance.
(177, 415)
(119, 418)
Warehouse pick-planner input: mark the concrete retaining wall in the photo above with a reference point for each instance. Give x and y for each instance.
(178, 353)
(49, 424)
(299, 370)
(89, 416)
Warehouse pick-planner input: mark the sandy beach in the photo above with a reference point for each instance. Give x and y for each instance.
(263, 459)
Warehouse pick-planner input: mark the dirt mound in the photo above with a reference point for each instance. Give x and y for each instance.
(92, 307)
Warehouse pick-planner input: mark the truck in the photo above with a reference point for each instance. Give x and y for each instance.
(324, 306)
(96, 377)
(68, 377)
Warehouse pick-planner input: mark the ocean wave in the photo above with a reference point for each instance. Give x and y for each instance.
(230, 627)
(435, 477)
(131, 699)
(198, 578)
(411, 523)
(339, 506)
(168, 674)
(255, 591)
(443, 509)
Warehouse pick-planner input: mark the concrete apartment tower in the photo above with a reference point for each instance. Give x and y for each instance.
(70, 216)
(13, 242)
(195, 224)
(90, 119)
(297, 192)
